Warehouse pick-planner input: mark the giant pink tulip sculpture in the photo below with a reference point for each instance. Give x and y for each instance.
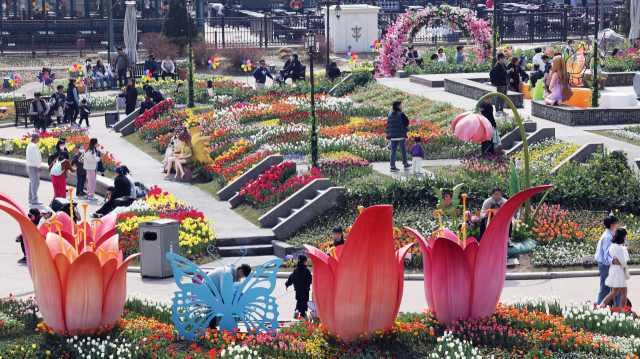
(464, 279)
(472, 126)
(359, 290)
(75, 289)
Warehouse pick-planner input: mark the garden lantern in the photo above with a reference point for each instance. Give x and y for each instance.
(312, 48)
(328, 4)
(190, 9)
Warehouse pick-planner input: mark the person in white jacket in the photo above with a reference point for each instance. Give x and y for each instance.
(537, 58)
(91, 159)
(168, 68)
(34, 167)
(111, 73)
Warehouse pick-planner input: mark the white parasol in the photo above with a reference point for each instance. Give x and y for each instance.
(634, 15)
(131, 31)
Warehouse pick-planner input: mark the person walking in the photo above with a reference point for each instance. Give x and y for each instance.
(61, 146)
(618, 273)
(486, 109)
(122, 65)
(301, 280)
(517, 75)
(499, 77)
(417, 155)
(34, 167)
(81, 173)
(91, 159)
(73, 102)
(38, 112)
(260, 75)
(605, 259)
(130, 96)
(59, 170)
(397, 124)
(85, 111)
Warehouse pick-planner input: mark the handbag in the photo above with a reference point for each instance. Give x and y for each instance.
(627, 275)
(496, 138)
(566, 89)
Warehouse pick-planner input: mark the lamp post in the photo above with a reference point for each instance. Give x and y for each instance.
(328, 4)
(190, 9)
(312, 47)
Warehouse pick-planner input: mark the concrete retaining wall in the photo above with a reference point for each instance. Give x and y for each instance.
(230, 190)
(581, 155)
(296, 200)
(475, 90)
(309, 212)
(613, 78)
(126, 121)
(537, 136)
(514, 136)
(18, 167)
(576, 116)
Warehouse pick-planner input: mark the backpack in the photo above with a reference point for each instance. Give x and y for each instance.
(492, 76)
(56, 170)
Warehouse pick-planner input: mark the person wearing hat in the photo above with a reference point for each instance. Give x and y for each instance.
(46, 213)
(34, 167)
(38, 112)
(34, 216)
(152, 65)
(121, 188)
(217, 277)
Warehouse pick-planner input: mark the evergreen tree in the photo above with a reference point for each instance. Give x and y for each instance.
(176, 23)
(625, 20)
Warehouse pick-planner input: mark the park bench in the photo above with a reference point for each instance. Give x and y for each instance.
(22, 109)
(299, 76)
(137, 71)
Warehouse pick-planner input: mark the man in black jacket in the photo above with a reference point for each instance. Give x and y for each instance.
(122, 188)
(284, 72)
(500, 80)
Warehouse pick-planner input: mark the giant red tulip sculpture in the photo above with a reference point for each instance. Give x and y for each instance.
(78, 283)
(464, 279)
(360, 288)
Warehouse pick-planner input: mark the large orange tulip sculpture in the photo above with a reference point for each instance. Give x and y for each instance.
(358, 289)
(464, 279)
(79, 283)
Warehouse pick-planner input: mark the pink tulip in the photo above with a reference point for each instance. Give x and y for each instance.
(472, 126)
(360, 288)
(465, 281)
(82, 289)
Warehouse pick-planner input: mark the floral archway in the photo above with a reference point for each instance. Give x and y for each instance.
(409, 24)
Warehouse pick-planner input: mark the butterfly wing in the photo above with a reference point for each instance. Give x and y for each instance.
(254, 303)
(197, 302)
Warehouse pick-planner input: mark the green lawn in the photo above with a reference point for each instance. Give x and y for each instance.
(249, 212)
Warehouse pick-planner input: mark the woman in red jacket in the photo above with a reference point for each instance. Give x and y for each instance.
(59, 170)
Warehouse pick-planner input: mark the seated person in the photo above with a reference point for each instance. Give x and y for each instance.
(153, 93)
(434, 57)
(334, 71)
(285, 71)
(414, 56)
(46, 213)
(536, 75)
(121, 188)
(376, 68)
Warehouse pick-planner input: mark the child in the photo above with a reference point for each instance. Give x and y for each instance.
(617, 279)
(81, 173)
(301, 281)
(417, 152)
(110, 190)
(84, 113)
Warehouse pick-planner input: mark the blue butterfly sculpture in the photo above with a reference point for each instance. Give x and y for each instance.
(199, 301)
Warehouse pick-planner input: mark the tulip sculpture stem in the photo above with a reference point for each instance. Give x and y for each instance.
(73, 222)
(525, 146)
(438, 212)
(95, 222)
(84, 217)
(464, 219)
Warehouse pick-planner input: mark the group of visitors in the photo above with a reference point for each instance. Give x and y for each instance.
(166, 69)
(65, 107)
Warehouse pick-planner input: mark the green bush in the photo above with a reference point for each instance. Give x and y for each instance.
(359, 79)
(176, 23)
(625, 19)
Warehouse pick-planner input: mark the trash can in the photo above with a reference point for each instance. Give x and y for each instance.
(157, 238)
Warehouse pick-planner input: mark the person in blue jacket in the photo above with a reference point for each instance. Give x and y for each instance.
(152, 65)
(397, 124)
(261, 74)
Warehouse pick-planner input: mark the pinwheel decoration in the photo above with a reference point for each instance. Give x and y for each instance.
(547, 51)
(507, 50)
(76, 70)
(375, 46)
(352, 57)
(246, 65)
(14, 80)
(213, 63)
(146, 77)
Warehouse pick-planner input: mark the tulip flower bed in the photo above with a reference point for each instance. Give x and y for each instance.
(519, 329)
(195, 230)
(48, 141)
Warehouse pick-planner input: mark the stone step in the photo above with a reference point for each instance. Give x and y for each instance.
(252, 250)
(241, 241)
(296, 200)
(537, 136)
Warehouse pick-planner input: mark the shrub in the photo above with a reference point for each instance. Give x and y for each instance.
(152, 40)
(360, 79)
(202, 53)
(236, 53)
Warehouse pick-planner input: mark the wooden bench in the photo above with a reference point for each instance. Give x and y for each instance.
(22, 109)
(137, 71)
(297, 76)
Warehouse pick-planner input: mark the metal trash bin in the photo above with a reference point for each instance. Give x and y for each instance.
(157, 238)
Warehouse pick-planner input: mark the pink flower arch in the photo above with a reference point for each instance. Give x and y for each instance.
(408, 24)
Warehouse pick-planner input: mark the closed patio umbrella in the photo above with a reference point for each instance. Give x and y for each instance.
(634, 15)
(131, 31)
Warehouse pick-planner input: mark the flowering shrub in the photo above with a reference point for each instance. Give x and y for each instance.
(154, 113)
(268, 184)
(153, 129)
(344, 170)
